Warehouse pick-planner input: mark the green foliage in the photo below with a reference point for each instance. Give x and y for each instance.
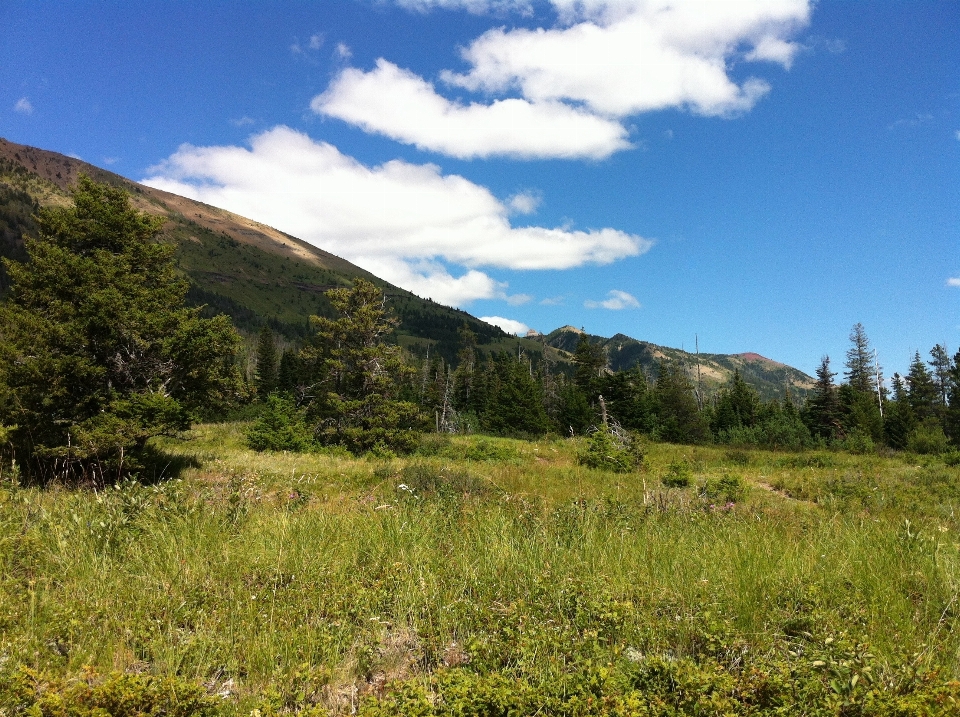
(281, 426)
(679, 419)
(98, 352)
(728, 488)
(428, 479)
(359, 376)
(27, 692)
(265, 378)
(606, 450)
(928, 438)
(678, 475)
(860, 442)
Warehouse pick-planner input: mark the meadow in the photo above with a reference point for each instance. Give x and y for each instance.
(485, 576)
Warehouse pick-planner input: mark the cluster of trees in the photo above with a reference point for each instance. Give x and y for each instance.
(99, 352)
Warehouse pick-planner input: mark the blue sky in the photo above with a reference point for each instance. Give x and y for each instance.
(761, 174)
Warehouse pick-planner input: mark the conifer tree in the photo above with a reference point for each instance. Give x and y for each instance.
(265, 377)
(940, 373)
(899, 420)
(922, 392)
(859, 373)
(679, 417)
(823, 408)
(359, 375)
(98, 351)
(590, 359)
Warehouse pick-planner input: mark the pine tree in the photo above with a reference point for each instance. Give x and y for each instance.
(940, 373)
(859, 373)
(265, 377)
(922, 393)
(359, 375)
(590, 359)
(678, 416)
(952, 419)
(822, 412)
(899, 420)
(98, 351)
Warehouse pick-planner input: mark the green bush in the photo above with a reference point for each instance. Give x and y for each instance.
(26, 692)
(426, 479)
(280, 427)
(928, 439)
(607, 451)
(677, 476)
(727, 488)
(859, 441)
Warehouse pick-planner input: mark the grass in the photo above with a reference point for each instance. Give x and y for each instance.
(287, 581)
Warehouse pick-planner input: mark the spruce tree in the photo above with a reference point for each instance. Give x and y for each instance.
(359, 375)
(859, 373)
(899, 420)
(940, 366)
(265, 377)
(590, 359)
(679, 419)
(822, 412)
(98, 351)
(922, 393)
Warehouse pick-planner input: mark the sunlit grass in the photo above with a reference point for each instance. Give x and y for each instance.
(259, 569)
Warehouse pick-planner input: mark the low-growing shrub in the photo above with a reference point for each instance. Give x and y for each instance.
(928, 439)
(678, 475)
(728, 488)
(280, 427)
(610, 451)
(426, 479)
(27, 692)
(485, 449)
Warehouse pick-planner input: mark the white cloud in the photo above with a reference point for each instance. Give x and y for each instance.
(958, 134)
(23, 106)
(525, 202)
(953, 281)
(552, 301)
(518, 299)
(110, 160)
(400, 220)
(606, 60)
(618, 300)
(398, 104)
(316, 41)
(516, 328)
(243, 121)
(343, 51)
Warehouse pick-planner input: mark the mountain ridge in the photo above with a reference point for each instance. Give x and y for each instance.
(258, 274)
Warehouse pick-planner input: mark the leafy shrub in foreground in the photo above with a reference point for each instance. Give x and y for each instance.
(610, 451)
(280, 427)
(26, 692)
(677, 476)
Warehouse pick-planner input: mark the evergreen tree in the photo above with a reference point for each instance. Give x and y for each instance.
(952, 419)
(922, 393)
(629, 399)
(899, 420)
(360, 375)
(738, 405)
(859, 373)
(97, 350)
(822, 412)
(265, 377)
(516, 407)
(678, 417)
(590, 359)
(940, 373)
(574, 414)
(288, 373)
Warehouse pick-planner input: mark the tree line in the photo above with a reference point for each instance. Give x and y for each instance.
(99, 353)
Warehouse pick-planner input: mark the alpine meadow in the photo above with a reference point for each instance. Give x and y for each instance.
(278, 437)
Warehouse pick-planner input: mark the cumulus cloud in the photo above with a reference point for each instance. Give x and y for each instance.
(606, 60)
(406, 222)
(617, 300)
(953, 281)
(518, 328)
(518, 299)
(396, 103)
(23, 106)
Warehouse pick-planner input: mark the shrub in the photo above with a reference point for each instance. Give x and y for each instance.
(612, 451)
(281, 427)
(858, 441)
(426, 479)
(727, 488)
(928, 438)
(677, 476)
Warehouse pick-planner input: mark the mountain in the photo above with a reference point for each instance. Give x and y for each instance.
(257, 274)
(250, 271)
(769, 377)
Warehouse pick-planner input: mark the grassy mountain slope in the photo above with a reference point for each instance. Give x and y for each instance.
(770, 378)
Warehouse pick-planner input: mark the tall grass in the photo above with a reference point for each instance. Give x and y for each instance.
(272, 572)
